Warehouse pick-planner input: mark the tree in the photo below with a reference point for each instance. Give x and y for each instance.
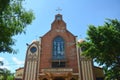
(13, 21)
(103, 46)
(6, 75)
(3, 5)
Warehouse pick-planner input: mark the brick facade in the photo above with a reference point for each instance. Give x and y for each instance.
(41, 63)
(46, 50)
(58, 28)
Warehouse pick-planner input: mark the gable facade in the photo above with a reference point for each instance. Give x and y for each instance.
(56, 56)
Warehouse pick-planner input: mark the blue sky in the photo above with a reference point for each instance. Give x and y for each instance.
(77, 14)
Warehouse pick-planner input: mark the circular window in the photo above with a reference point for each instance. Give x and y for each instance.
(33, 49)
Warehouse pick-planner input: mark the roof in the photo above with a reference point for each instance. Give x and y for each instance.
(20, 68)
(81, 40)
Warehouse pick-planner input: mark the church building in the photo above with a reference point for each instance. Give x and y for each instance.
(56, 56)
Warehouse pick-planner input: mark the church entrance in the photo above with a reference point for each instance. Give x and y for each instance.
(58, 78)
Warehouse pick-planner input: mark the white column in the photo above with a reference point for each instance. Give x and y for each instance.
(38, 59)
(27, 69)
(83, 72)
(91, 70)
(31, 71)
(78, 59)
(88, 64)
(34, 70)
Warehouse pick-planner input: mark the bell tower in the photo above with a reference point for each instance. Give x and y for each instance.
(58, 23)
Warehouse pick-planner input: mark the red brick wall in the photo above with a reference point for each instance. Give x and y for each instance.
(70, 47)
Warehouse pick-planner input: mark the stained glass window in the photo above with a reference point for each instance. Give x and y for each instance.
(58, 48)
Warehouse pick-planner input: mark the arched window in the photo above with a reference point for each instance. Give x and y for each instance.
(58, 48)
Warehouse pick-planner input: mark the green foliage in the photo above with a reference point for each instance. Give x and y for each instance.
(6, 75)
(103, 46)
(3, 4)
(13, 21)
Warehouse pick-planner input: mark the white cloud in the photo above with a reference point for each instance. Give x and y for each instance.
(1, 58)
(11, 65)
(6, 63)
(18, 62)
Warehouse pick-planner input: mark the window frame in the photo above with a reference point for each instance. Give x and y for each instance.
(58, 48)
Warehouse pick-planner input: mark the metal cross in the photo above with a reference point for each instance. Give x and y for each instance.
(59, 9)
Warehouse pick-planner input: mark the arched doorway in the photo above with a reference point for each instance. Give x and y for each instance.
(58, 78)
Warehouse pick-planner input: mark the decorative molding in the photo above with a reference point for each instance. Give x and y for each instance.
(32, 57)
(57, 30)
(58, 70)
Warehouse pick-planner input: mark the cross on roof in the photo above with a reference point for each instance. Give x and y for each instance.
(58, 10)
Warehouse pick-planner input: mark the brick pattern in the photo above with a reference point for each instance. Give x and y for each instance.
(58, 28)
